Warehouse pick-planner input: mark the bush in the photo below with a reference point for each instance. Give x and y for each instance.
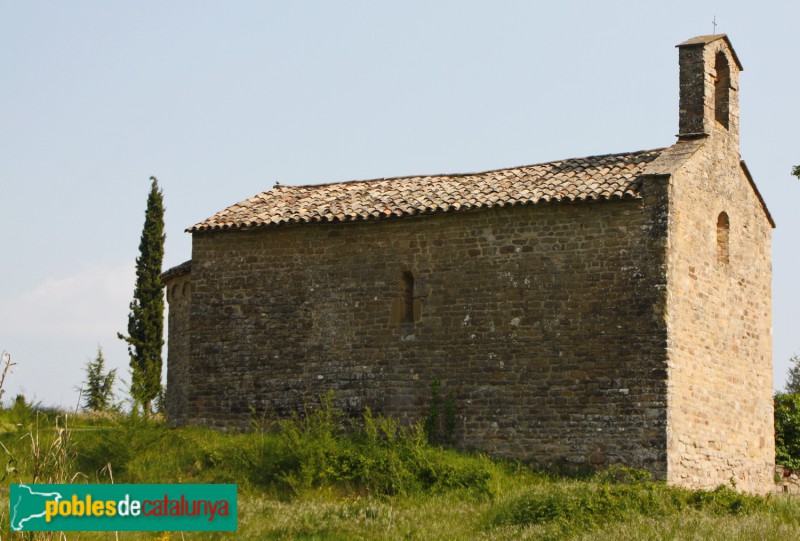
(584, 506)
(379, 456)
(122, 440)
(787, 429)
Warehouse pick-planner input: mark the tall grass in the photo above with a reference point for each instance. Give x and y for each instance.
(571, 508)
(321, 476)
(285, 458)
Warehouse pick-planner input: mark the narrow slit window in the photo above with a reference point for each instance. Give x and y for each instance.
(723, 238)
(722, 87)
(408, 298)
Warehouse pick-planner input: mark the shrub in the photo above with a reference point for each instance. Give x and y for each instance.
(583, 506)
(787, 429)
(379, 456)
(120, 440)
(431, 425)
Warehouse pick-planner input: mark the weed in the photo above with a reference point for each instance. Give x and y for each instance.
(432, 417)
(450, 417)
(53, 456)
(440, 421)
(6, 364)
(618, 474)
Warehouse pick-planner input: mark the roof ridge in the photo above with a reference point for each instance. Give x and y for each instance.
(461, 175)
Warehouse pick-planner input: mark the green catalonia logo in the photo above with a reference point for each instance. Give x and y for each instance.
(162, 508)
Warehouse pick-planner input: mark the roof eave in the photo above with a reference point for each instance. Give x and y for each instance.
(701, 41)
(177, 271)
(758, 193)
(628, 195)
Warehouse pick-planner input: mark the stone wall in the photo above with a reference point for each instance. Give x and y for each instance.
(787, 480)
(547, 323)
(179, 295)
(720, 342)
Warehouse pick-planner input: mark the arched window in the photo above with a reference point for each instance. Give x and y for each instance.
(723, 238)
(722, 88)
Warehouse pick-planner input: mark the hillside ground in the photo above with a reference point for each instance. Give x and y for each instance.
(321, 477)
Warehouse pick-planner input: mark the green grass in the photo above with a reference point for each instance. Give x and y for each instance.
(321, 478)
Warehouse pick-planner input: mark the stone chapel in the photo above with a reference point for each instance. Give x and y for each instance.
(602, 310)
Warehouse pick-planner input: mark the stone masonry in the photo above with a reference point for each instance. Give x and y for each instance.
(719, 311)
(595, 311)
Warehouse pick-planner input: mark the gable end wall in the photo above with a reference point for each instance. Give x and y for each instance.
(720, 330)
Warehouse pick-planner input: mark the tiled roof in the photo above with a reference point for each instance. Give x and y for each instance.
(176, 271)
(578, 179)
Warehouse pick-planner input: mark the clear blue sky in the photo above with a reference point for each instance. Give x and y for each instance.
(221, 99)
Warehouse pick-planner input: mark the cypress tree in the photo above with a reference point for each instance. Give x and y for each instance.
(146, 318)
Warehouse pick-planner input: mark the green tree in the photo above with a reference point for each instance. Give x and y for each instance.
(796, 171)
(99, 389)
(793, 383)
(787, 429)
(146, 319)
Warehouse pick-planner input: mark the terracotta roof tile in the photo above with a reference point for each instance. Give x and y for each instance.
(592, 178)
